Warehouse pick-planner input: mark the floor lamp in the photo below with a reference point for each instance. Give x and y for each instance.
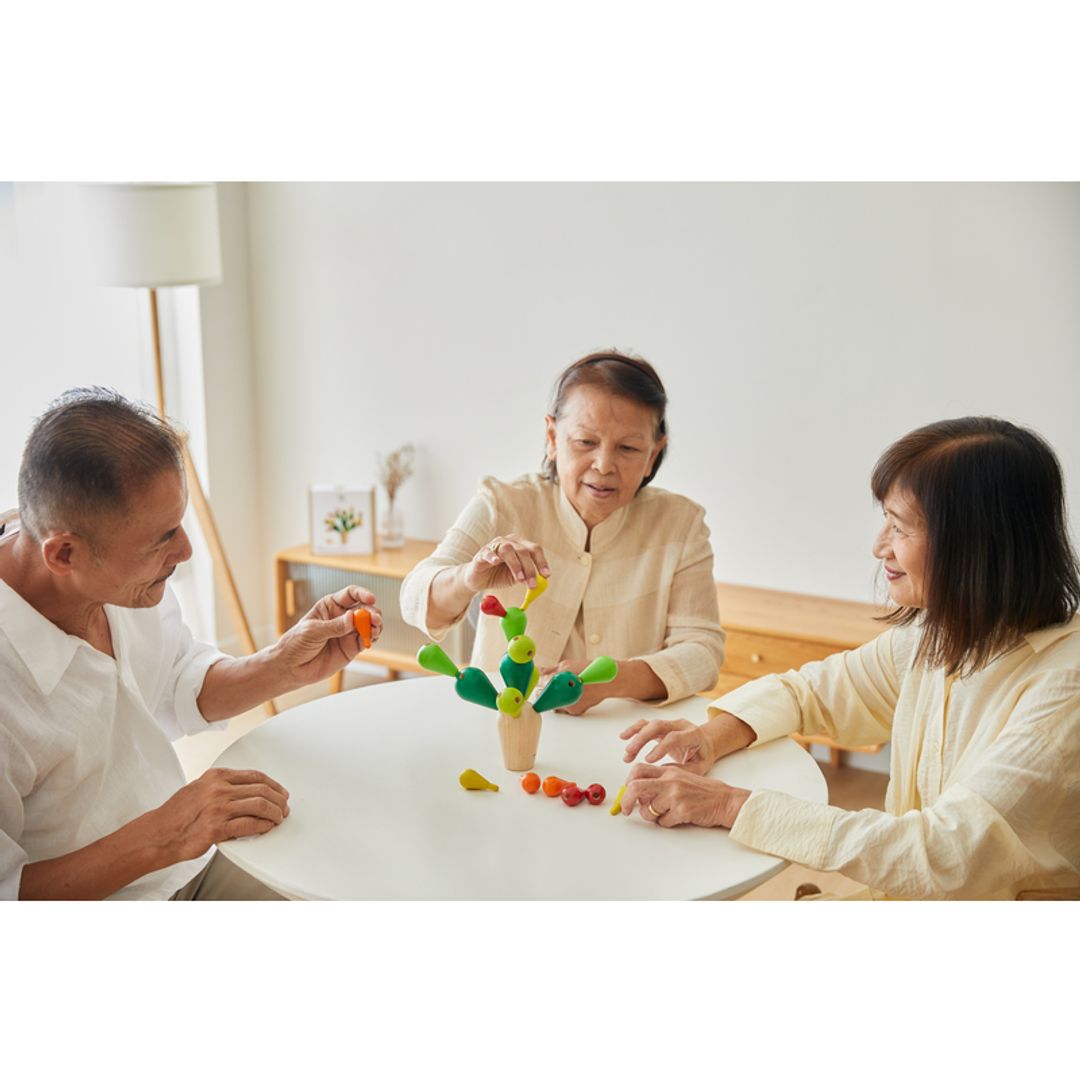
(155, 236)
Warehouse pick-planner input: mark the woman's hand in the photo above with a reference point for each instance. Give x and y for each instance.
(506, 560)
(669, 795)
(687, 744)
(591, 695)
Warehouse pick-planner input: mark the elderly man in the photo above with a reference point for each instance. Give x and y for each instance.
(100, 674)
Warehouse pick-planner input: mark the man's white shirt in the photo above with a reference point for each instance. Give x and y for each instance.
(86, 740)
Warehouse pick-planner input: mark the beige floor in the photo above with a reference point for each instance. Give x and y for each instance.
(852, 789)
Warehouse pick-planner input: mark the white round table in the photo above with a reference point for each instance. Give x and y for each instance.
(377, 811)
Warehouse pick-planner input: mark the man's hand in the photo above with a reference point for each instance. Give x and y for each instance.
(320, 644)
(325, 639)
(222, 804)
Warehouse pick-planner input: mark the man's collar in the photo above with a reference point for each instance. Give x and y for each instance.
(42, 646)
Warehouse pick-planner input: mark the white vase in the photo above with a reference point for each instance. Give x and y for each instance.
(392, 528)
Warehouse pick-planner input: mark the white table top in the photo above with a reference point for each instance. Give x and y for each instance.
(377, 811)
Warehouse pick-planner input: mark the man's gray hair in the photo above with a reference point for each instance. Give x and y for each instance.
(88, 454)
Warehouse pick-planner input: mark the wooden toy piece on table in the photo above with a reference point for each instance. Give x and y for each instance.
(471, 780)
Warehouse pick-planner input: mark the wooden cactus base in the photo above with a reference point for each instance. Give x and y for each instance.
(520, 736)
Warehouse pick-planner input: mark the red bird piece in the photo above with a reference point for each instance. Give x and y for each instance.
(490, 606)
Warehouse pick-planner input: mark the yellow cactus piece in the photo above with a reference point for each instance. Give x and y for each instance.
(535, 591)
(471, 780)
(617, 807)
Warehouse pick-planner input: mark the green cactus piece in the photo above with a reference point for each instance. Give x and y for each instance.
(521, 649)
(564, 689)
(510, 701)
(474, 686)
(514, 622)
(516, 675)
(432, 658)
(602, 669)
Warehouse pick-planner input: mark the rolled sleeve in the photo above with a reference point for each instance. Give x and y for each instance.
(782, 825)
(766, 705)
(190, 676)
(176, 707)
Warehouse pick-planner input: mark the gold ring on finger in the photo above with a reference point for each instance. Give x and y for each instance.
(652, 810)
(495, 547)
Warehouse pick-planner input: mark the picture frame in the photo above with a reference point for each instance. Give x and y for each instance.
(342, 519)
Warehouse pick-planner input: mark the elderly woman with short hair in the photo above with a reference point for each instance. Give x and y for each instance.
(631, 566)
(977, 686)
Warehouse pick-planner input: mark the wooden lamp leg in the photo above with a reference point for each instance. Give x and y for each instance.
(201, 506)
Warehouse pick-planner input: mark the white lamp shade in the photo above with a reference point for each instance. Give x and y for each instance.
(155, 235)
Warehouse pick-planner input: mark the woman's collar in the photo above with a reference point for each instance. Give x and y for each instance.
(602, 535)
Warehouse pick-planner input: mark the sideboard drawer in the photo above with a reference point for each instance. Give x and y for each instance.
(754, 655)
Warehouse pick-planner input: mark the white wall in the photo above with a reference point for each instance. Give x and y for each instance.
(58, 330)
(234, 465)
(799, 328)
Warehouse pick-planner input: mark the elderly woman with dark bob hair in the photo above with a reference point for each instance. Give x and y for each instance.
(976, 685)
(631, 566)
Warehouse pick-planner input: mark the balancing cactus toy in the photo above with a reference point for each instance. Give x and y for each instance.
(519, 720)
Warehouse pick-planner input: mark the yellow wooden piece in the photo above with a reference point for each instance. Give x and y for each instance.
(617, 807)
(471, 780)
(535, 591)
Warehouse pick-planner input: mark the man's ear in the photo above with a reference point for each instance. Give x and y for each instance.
(64, 552)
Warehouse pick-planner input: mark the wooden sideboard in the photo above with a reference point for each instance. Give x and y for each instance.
(771, 632)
